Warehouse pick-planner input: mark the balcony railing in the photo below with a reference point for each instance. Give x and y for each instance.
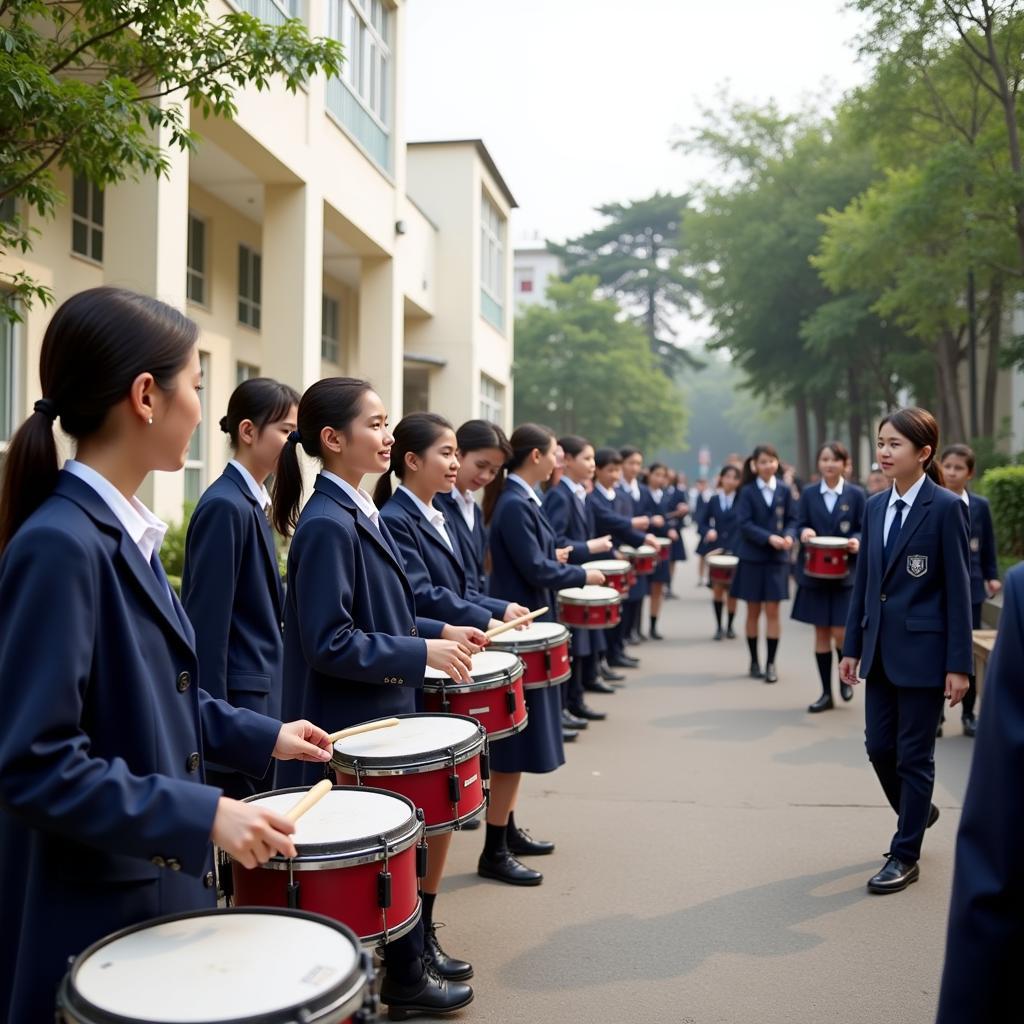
(364, 128)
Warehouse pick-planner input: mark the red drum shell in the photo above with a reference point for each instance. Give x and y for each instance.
(827, 558)
(495, 698)
(722, 568)
(617, 573)
(664, 548)
(643, 559)
(543, 648)
(343, 884)
(589, 607)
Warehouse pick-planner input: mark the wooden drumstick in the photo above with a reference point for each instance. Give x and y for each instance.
(521, 621)
(355, 730)
(317, 793)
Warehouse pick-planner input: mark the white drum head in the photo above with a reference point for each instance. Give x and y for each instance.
(416, 735)
(608, 565)
(643, 550)
(590, 595)
(342, 816)
(827, 542)
(663, 542)
(725, 561)
(535, 631)
(217, 966)
(486, 663)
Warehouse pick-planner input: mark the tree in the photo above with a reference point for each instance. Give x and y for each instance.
(580, 368)
(634, 259)
(90, 86)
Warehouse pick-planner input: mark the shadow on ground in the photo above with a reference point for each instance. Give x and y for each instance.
(734, 725)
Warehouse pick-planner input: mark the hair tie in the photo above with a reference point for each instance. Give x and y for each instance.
(47, 407)
(295, 437)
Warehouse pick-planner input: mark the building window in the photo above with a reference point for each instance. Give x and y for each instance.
(195, 461)
(245, 371)
(195, 284)
(330, 337)
(273, 12)
(415, 389)
(87, 219)
(249, 287)
(492, 263)
(492, 400)
(526, 285)
(8, 377)
(8, 208)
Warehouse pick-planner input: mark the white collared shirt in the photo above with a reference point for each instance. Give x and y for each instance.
(363, 500)
(965, 498)
(258, 491)
(146, 531)
(633, 486)
(656, 494)
(831, 496)
(466, 504)
(767, 490)
(578, 490)
(608, 492)
(890, 509)
(526, 487)
(434, 516)
(725, 500)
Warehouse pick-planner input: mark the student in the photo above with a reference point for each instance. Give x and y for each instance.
(701, 496)
(876, 482)
(526, 570)
(958, 469)
(765, 518)
(831, 508)
(106, 819)
(573, 522)
(638, 500)
(355, 648)
(231, 586)
(655, 501)
(677, 510)
(909, 629)
(721, 535)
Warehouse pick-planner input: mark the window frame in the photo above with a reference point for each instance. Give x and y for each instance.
(191, 271)
(198, 464)
(11, 369)
(330, 340)
(370, 64)
(92, 226)
(255, 274)
(245, 371)
(492, 400)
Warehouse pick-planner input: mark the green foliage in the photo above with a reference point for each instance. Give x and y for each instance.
(580, 368)
(102, 87)
(172, 551)
(1004, 488)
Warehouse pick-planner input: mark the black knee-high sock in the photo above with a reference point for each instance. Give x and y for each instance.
(654, 623)
(495, 840)
(511, 826)
(718, 613)
(752, 644)
(773, 646)
(428, 909)
(824, 660)
(732, 619)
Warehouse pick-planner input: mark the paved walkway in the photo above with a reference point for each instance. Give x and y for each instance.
(713, 844)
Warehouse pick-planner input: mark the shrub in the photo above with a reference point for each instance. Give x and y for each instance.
(172, 551)
(1004, 488)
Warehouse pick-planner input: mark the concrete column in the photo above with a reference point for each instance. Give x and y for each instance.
(381, 332)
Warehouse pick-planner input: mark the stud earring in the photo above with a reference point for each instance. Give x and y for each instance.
(151, 421)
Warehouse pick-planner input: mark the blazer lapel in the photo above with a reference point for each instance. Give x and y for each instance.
(427, 529)
(918, 513)
(265, 532)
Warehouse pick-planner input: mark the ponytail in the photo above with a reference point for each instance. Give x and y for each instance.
(332, 402)
(30, 472)
(748, 474)
(414, 434)
(524, 440)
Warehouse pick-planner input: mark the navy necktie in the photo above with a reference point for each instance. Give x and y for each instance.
(894, 529)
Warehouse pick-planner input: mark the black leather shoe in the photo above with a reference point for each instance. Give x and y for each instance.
(895, 876)
(755, 671)
(609, 676)
(598, 687)
(588, 713)
(933, 816)
(443, 965)
(770, 675)
(719, 635)
(970, 725)
(569, 735)
(846, 691)
(522, 844)
(823, 703)
(624, 661)
(431, 996)
(570, 721)
(730, 634)
(655, 635)
(503, 867)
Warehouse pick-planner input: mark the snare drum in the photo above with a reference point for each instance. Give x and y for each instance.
(642, 558)
(494, 698)
(721, 569)
(543, 648)
(664, 548)
(827, 558)
(261, 966)
(438, 761)
(361, 852)
(616, 573)
(589, 607)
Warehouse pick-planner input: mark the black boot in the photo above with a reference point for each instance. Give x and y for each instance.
(522, 844)
(443, 965)
(654, 634)
(431, 996)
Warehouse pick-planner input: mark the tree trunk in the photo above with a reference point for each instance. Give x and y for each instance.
(820, 422)
(803, 454)
(994, 340)
(951, 424)
(855, 424)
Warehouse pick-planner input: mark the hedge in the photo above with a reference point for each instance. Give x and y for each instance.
(1004, 488)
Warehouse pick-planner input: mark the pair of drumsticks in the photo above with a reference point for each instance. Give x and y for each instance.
(324, 786)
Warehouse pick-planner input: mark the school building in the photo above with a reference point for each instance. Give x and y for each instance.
(308, 238)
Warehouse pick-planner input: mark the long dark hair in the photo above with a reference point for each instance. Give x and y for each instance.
(920, 428)
(525, 438)
(749, 473)
(332, 402)
(837, 448)
(95, 346)
(729, 467)
(259, 399)
(476, 435)
(573, 444)
(415, 433)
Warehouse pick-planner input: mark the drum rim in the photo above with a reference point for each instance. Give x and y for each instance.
(426, 760)
(508, 642)
(549, 682)
(515, 727)
(621, 570)
(582, 602)
(453, 824)
(828, 543)
(399, 931)
(486, 681)
(714, 560)
(632, 553)
(337, 999)
(353, 852)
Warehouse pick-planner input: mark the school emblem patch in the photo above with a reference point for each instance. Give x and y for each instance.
(975, 544)
(844, 526)
(917, 565)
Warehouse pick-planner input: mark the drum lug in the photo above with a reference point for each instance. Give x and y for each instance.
(421, 847)
(485, 763)
(454, 789)
(384, 890)
(371, 1004)
(510, 700)
(292, 889)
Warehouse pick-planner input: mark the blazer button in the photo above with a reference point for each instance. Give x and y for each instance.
(184, 681)
(881, 597)
(412, 632)
(208, 880)
(399, 680)
(173, 863)
(192, 762)
(158, 862)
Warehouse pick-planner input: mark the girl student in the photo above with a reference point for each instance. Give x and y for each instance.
(909, 628)
(354, 647)
(765, 518)
(655, 502)
(231, 586)
(105, 817)
(424, 460)
(957, 461)
(566, 509)
(721, 535)
(676, 505)
(833, 507)
(636, 497)
(525, 569)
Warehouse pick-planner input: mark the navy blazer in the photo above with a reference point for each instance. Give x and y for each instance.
(756, 521)
(984, 563)
(725, 524)
(524, 566)
(845, 520)
(614, 517)
(105, 820)
(572, 520)
(473, 542)
(436, 572)
(232, 592)
(985, 940)
(915, 611)
(353, 647)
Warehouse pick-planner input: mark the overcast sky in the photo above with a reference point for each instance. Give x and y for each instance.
(577, 100)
